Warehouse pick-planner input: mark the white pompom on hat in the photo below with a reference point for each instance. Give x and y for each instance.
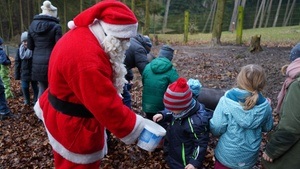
(115, 17)
(49, 9)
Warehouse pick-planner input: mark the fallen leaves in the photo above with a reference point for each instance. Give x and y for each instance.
(24, 143)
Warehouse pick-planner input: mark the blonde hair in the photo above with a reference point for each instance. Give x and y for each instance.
(252, 78)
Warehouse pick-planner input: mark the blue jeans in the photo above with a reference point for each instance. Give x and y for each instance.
(3, 104)
(126, 95)
(26, 93)
(43, 85)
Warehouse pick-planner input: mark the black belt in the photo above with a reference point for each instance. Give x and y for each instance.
(71, 109)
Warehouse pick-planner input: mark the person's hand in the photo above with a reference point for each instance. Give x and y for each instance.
(269, 100)
(157, 117)
(189, 166)
(266, 157)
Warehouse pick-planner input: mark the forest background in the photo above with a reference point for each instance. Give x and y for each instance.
(159, 16)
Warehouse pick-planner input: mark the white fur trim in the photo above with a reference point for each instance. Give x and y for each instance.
(98, 32)
(65, 153)
(138, 128)
(71, 25)
(120, 31)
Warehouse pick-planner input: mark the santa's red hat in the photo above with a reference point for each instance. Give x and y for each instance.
(115, 17)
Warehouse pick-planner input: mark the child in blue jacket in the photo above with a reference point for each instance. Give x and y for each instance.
(239, 119)
(188, 132)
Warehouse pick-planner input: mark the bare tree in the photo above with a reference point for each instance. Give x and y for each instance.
(147, 18)
(263, 12)
(212, 11)
(234, 14)
(286, 12)
(10, 18)
(291, 9)
(259, 16)
(166, 16)
(21, 15)
(277, 13)
(268, 12)
(218, 21)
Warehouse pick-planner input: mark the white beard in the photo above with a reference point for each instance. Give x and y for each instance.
(116, 50)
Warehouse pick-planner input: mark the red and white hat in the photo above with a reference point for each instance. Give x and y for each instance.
(178, 95)
(115, 17)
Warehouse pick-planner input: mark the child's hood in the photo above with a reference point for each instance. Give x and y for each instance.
(160, 65)
(252, 118)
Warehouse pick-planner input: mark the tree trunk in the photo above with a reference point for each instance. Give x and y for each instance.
(10, 18)
(213, 16)
(1, 16)
(21, 15)
(268, 13)
(277, 13)
(243, 3)
(218, 22)
(166, 16)
(255, 44)
(286, 12)
(257, 15)
(132, 5)
(147, 18)
(65, 16)
(263, 12)
(234, 15)
(212, 10)
(290, 13)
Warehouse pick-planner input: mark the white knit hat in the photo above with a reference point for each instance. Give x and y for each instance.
(49, 9)
(24, 36)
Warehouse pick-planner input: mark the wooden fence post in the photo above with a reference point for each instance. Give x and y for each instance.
(186, 26)
(239, 29)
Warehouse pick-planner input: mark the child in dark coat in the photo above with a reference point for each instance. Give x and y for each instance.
(23, 65)
(188, 132)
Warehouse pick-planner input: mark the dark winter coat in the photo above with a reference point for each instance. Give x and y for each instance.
(43, 34)
(187, 136)
(158, 74)
(284, 143)
(4, 59)
(136, 56)
(22, 67)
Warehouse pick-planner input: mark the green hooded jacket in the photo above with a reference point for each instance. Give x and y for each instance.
(157, 75)
(284, 143)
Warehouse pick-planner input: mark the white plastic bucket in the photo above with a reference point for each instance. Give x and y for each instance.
(151, 136)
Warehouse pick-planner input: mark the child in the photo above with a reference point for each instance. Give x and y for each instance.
(4, 73)
(4, 109)
(157, 75)
(240, 117)
(188, 132)
(283, 147)
(23, 65)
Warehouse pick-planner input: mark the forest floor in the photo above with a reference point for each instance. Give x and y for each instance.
(24, 143)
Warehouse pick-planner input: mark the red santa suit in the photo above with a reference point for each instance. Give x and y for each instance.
(82, 100)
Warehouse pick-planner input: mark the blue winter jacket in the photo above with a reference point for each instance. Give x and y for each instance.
(187, 136)
(240, 130)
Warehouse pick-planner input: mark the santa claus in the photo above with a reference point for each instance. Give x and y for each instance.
(86, 77)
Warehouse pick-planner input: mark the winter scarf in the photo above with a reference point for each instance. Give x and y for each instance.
(292, 71)
(25, 53)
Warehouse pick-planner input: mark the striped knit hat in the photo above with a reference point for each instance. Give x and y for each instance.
(178, 95)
